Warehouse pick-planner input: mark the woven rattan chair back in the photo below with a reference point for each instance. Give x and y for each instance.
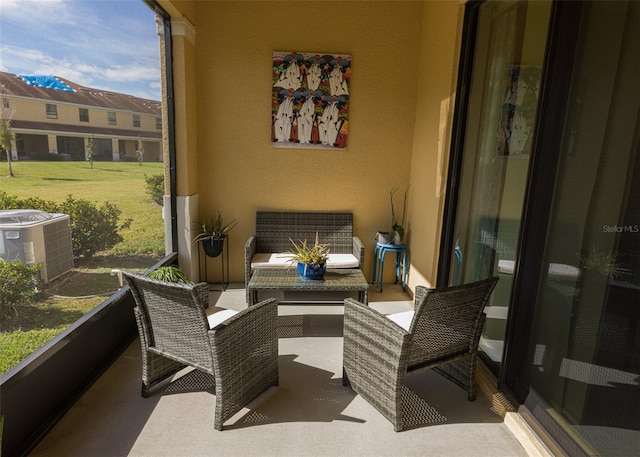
(447, 322)
(176, 318)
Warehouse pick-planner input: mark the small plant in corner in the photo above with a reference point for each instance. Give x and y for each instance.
(170, 273)
(397, 225)
(396, 233)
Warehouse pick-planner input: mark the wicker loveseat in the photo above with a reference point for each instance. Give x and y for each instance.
(270, 245)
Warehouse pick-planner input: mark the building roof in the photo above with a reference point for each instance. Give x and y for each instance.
(55, 89)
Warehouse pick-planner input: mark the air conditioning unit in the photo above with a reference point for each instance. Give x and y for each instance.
(32, 236)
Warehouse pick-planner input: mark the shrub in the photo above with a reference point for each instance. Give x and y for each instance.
(52, 157)
(8, 201)
(17, 284)
(155, 187)
(93, 228)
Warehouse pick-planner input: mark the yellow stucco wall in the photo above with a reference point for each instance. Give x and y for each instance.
(440, 44)
(401, 87)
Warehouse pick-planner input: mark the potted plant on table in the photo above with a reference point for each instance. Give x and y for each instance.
(213, 231)
(311, 259)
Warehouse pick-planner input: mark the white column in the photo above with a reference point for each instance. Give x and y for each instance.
(187, 211)
(86, 147)
(53, 144)
(115, 152)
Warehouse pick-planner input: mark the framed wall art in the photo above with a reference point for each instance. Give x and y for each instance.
(519, 106)
(310, 100)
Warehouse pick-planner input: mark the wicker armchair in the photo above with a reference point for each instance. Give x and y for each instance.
(442, 332)
(239, 349)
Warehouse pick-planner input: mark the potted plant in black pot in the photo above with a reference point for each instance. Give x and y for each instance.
(213, 232)
(312, 259)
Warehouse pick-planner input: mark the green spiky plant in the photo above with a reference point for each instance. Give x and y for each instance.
(170, 273)
(607, 263)
(214, 228)
(305, 253)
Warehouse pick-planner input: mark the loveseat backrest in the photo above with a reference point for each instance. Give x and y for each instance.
(274, 230)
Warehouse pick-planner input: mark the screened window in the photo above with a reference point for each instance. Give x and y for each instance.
(158, 123)
(136, 120)
(95, 180)
(52, 111)
(84, 114)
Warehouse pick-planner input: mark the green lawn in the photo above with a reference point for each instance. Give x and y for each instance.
(65, 300)
(121, 183)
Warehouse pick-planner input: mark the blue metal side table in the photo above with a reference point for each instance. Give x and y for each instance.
(378, 264)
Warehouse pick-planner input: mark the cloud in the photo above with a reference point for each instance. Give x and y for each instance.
(109, 45)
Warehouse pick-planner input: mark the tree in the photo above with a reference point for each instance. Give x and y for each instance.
(140, 151)
(91, 150)
(6, 137)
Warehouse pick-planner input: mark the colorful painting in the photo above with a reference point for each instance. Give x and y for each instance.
(310, 100)
(519, 110)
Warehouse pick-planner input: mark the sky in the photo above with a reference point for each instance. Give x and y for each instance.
(105, 44)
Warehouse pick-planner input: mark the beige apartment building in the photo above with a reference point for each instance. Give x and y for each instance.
(51, 115)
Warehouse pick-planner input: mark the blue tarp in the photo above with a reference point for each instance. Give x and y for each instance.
(46, 81)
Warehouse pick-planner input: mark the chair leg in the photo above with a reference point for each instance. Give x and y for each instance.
(472, 376)
(145, 390)
(472, 384)
(217, 417)
(345, 378)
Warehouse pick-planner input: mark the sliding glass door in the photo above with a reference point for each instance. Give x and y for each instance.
(584, 352)
(499, 126)
(545, 193)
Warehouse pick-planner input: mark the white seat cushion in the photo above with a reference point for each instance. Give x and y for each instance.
(271, 260)
(342, 261)
(283, 260)
(560, 270)
(556, 270)
(506, 266)
(219, 317)
(403, 319)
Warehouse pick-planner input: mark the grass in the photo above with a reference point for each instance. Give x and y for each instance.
(65, 300)
(121, 183)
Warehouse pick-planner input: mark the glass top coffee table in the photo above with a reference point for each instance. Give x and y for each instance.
(287, 279)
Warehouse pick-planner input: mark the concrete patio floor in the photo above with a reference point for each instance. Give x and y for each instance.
(309, 414)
